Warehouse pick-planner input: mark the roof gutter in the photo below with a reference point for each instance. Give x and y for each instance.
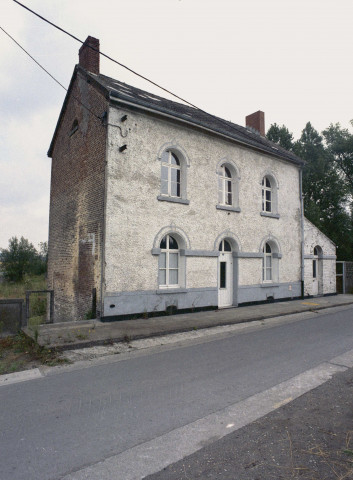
(116, 99)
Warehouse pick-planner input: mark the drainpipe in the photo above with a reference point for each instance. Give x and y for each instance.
(104, 236)
(302, 229)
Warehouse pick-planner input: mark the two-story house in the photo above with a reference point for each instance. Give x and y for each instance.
(157, 206)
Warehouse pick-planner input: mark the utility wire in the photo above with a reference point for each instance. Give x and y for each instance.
(219, 120)
(107, 56)
(48, 73)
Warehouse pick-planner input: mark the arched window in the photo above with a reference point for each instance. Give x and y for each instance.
(169, 262)
(228, 187)
(170, 174)
(267, 263)
(225, 186)
(270, 261)
(267, 195)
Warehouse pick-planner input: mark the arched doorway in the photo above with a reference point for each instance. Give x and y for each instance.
(225, 274)
(317, 272)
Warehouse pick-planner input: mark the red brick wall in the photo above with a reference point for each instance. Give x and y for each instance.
(77, 204)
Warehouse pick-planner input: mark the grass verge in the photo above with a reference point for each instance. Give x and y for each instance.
(21, 352)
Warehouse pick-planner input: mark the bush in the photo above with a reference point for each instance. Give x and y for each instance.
(22, 258)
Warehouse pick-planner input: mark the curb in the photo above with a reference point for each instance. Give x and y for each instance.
(171, 331)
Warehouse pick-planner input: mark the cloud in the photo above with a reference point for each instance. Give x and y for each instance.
(25, 175)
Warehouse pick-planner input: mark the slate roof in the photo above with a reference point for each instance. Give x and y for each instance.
(143, 99)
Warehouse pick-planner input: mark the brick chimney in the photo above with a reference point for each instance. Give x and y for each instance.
(256, 121)
(89, 58)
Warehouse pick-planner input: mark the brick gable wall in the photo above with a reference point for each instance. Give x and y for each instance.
(76, 220)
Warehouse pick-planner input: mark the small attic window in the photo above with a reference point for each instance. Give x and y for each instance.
(74, 127)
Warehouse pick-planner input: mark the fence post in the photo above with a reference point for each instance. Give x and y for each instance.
(27, 308)
(344, 277)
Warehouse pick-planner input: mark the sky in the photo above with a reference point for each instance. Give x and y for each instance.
(291, 59)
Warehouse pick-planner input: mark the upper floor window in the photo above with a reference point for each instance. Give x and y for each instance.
(266, 195)
(225, 189)
(269, 196)
(170, 175)
(174, 163)
(169, 262)
(228, 187)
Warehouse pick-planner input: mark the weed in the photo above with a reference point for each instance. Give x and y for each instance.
(21, 351)
(81, 336)
(36, 334)
(127, 338)
(89, 315)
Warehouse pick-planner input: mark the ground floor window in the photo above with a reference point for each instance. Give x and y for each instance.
(267, 263)
(169, 262)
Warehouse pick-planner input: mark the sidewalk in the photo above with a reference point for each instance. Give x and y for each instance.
(310, 438)
(70, 335)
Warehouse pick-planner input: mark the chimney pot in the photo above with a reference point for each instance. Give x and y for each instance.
(256, 121)
(89, 58)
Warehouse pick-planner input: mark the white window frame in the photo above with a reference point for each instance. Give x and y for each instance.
(265, 267)
(171, 167)
(225, 183)
(167, 268)
(266, 189)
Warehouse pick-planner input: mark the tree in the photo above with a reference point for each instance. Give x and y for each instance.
(18, 259)
(326, 197)
(281, 136)
(340, 145)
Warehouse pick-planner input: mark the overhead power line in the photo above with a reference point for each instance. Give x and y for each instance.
(217, 119)
(48, 73)
(107, 56)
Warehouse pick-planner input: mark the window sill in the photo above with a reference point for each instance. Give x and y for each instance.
(162, 290)
(228, 208)
(162, 198)
(271, 215)
(269, 284)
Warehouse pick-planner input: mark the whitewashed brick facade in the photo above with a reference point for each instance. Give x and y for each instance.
(228, 246)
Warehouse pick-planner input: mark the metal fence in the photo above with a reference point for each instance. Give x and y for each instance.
(12, 315)
(39, 307)
(344, 277)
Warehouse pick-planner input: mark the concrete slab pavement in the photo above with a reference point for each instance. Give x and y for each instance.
(69, 335)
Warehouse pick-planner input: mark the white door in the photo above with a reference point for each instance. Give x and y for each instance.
(225, 280)
(315, 289)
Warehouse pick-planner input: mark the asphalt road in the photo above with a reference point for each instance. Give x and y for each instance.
(55, 426)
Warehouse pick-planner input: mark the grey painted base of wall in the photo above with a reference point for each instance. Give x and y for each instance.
(152, 301)
(128, 304)
(267, 292)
